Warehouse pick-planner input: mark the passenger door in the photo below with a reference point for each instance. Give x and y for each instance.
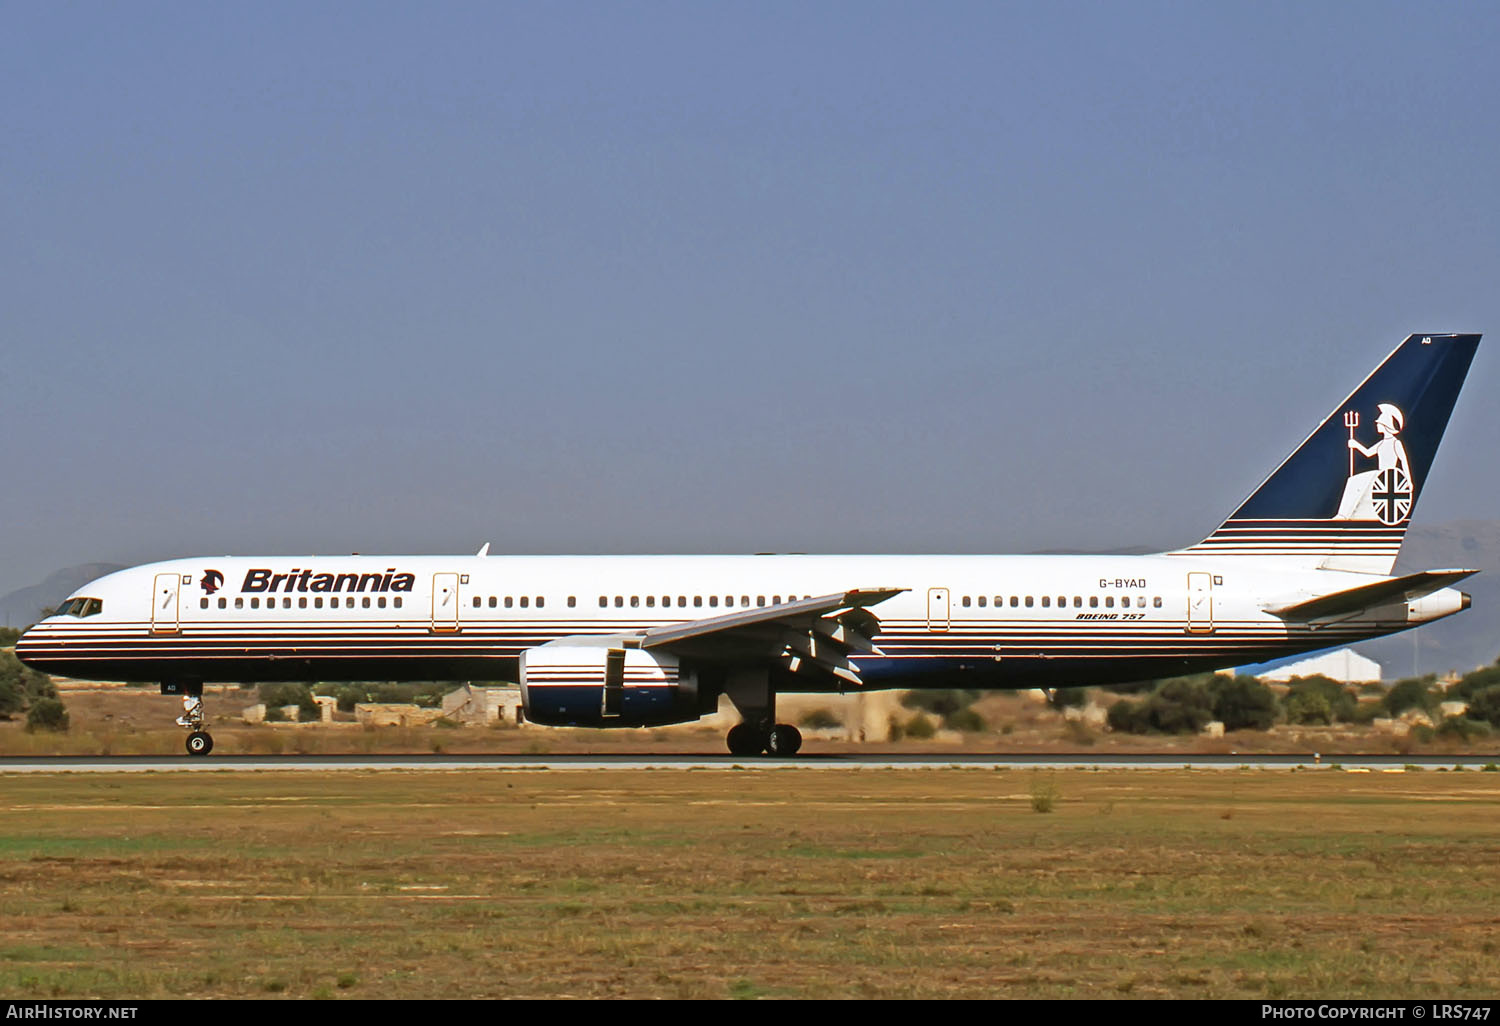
(164, 603)
(445, 602)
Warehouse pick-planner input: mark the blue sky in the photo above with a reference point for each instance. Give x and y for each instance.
(687, 277)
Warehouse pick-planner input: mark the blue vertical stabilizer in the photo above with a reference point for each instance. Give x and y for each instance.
(1343, 499)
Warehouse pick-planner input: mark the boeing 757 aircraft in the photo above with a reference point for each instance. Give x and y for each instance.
(627, 641)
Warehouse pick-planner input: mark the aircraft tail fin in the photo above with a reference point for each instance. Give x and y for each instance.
(1343, 499)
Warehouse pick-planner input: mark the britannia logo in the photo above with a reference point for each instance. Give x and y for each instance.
(1384, 493)
(212, 581)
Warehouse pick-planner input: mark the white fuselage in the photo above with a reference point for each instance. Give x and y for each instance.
(971, 621)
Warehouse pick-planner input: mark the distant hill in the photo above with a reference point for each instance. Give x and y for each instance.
(24, 607)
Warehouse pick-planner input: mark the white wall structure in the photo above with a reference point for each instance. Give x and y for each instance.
(1344, 665)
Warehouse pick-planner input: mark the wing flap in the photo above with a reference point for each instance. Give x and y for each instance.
(811, 636)
(1368, 596)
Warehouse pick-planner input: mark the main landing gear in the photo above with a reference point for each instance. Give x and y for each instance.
(199, 741)
(751, 693)
(779, 740)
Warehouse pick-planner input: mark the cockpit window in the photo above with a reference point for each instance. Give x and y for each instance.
(80, 606)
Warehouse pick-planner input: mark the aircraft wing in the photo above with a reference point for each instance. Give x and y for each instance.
(1368, 596)
(813, 636)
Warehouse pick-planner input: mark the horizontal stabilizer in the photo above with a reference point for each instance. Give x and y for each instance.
(1368, 596)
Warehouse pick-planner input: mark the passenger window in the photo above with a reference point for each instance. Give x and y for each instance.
(1124, 601)
(318, 601)
(239, 603)
(302, 602)
(365, 602)
(619, 601)
(1028, 601)
(981, 602)
(775, 600)
(1015, 600)
(745, 601)
(760, 600)
(203, 603)
(1093, 601)
(224, 602)
(540, 601)
(572, 601)
(650, 601)
(603, 601)
(1109, 602)
(397, 601)
(1046, 601)
(713, 600)
(1156, 602)
(697, 601)
(525, 600)
(510, 601)
(965, 602)
(1077, 601)
(255, 603)
(380, 602)
(681, 601)
(477, 600)
(494, 601)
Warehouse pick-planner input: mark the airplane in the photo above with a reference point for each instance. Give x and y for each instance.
(1304, 563)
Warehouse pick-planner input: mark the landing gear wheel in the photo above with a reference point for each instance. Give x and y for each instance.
(783, 741)
(745, 740)
(200, 742)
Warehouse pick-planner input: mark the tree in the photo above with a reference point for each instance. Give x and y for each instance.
(1243, 703)
(1310, 695)
(1473, 683)
(1411, 693)
(1485, 705)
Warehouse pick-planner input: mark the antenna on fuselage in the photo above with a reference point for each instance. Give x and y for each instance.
(484, 550)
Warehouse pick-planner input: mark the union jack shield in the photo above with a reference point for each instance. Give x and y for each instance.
(1392, 496)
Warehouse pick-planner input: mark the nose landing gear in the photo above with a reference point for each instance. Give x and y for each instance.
(199, 741)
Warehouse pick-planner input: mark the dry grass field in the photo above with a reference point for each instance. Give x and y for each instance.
(751, 883)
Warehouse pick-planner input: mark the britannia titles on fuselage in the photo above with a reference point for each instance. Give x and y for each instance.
(263, 580)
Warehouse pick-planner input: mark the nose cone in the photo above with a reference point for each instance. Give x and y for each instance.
(26, 645)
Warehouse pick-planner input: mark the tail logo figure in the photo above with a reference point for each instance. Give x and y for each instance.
(1385, 493)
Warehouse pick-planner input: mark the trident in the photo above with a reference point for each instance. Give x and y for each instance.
(1351, 421)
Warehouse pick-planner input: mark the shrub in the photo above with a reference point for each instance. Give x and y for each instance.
(920, 727)
(1308, 707)
(939, 703)
(1473, 683)
(966, 720)
(1064, 698)
(47, 714)
(1463, 728)
(1341, 702)
(1242, 702)
(820, 719)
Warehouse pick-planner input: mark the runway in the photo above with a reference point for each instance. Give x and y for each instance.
(417, 763)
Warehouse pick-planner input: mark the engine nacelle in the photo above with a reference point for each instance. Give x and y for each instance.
(598, 682)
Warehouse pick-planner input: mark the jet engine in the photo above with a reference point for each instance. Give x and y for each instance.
(608, 682)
